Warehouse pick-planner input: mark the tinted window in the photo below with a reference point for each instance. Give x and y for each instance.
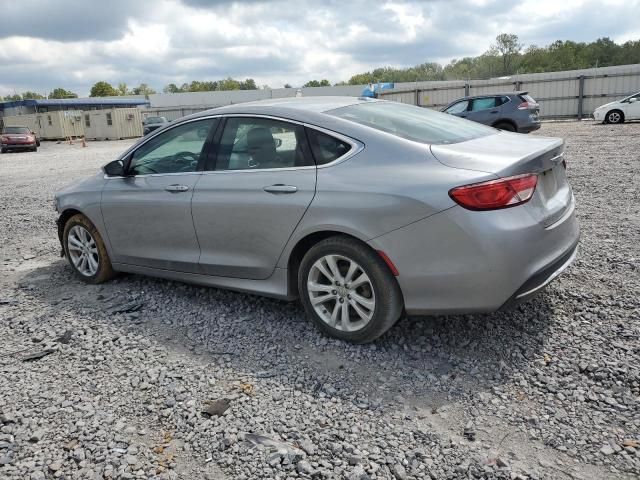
(173, 151)
(458, 107)
(483, 103)
(326, 148)
(249, 143)
(413, 123)
(16, 130)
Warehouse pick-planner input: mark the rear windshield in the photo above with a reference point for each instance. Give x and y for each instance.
(413, 123)
(16, 130)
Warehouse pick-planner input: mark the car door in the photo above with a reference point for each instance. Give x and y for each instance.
(484, 110)
(632, 108)
(248, 203)
(147, 213)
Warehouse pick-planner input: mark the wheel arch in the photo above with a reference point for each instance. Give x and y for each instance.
(606, 117)
(503, 121)
(302, 246)
(62, 221)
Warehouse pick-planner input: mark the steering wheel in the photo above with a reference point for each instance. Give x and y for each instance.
(186, 156)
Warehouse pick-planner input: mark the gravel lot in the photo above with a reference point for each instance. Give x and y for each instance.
(549, 390)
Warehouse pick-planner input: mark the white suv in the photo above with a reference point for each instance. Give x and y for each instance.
(619, 111)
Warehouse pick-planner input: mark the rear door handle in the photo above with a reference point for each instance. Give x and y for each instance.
(280, 188)
(177, 188)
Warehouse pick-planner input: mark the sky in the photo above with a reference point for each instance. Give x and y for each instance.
(72, 44)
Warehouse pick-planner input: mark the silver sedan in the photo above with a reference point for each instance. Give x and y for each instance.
(363, 209)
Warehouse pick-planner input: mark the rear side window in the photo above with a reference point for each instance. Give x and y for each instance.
(259, 143)
(413, 123)
(527, 98)
(326, 148)
(483, 103)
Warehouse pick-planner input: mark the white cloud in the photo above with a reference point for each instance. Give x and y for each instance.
(275, 42)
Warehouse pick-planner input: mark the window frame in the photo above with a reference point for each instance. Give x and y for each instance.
(204, 153)
(210, 166)
(446, 110)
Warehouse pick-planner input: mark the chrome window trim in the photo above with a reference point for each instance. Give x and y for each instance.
(356, 146)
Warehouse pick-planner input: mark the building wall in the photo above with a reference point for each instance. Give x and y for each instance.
(114, 123)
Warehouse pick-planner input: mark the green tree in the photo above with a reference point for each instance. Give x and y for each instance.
(103, 89)
(143, 89)
(62, 93)
(32, 96)
(316, 83)
(122, 89)
(171, 88)
(248, 84)
(508, 48)
(13, 98)
(229, 84)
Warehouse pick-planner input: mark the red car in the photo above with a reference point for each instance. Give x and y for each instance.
(18, 138)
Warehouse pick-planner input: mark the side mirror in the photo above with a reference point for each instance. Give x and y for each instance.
(114, 169)
(278, 142)
(633, 100)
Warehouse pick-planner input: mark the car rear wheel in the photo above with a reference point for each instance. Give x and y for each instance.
(615, 116)
(86, 251)
(348, 290)
(507, 127)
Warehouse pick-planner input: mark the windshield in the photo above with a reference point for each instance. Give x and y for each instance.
(9, 130)
(413, 123)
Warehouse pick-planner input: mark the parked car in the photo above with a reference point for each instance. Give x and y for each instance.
(18, 138)
(513, 112)
(153, 123)
(617, 112)
(364, 209)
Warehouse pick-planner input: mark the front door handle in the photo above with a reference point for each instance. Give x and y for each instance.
(177, 188)
(280, 188)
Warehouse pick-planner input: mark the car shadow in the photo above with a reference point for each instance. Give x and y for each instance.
(424, 362)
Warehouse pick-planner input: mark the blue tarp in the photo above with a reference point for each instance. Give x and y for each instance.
(373, 88)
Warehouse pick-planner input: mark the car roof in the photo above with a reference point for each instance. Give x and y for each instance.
(493, 94)
(320, 104)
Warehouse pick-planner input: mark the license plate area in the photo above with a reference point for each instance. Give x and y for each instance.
(548, 183)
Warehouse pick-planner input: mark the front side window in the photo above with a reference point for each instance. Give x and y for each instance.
(458, 107)
(483, 103)
(326, 148)
(413, 123)
(258, 143)
(173, 151)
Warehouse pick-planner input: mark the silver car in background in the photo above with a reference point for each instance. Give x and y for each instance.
(363, 209)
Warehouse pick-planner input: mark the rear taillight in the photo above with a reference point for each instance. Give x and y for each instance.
(527, 106)
(496, 194)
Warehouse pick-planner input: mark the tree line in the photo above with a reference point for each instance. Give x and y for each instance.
(506, 56)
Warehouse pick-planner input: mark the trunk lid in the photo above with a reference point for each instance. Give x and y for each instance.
(506, 154)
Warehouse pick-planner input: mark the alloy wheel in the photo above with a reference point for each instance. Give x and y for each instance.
(341, 293)
(614, 117)
(83, 251)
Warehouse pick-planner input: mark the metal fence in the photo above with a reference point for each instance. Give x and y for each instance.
(569, 94)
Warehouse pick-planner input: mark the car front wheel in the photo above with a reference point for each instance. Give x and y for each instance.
(86, 251)
(615, 116)
(348, 290)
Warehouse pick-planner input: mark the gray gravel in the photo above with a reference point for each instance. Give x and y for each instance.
(145, 378)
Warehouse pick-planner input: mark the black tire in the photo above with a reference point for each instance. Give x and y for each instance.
(105, 270)
(386, 292)
(34, 149)
(506, 126)
(3, 150)
(614, 116)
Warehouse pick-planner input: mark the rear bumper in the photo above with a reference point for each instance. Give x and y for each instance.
(530, 127)
(541, 279)
(460, 261)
